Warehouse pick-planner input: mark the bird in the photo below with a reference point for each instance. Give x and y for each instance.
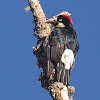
(60, 49)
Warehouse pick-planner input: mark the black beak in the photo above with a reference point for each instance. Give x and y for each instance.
(54, 23)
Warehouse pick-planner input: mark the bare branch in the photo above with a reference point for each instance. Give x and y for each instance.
(41, 28)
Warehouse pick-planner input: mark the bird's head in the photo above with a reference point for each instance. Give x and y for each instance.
(62, 21)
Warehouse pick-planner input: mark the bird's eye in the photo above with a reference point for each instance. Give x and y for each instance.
(60, 20)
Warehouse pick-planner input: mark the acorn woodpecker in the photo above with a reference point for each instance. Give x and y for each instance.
(60, 49)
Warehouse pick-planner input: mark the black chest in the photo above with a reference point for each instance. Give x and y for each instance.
(64, 37)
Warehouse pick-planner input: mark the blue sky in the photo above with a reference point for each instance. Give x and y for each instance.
(18, 69)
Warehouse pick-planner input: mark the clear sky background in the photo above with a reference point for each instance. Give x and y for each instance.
(18, 69)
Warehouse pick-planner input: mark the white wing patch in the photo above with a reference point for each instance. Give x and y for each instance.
(68, 58)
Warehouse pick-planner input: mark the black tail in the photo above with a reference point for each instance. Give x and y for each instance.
(67, 77)
(63, 75)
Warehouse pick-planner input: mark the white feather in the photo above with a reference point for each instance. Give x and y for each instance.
(68, 58)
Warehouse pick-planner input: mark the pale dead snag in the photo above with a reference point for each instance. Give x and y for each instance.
(41, 28)
(57, 90)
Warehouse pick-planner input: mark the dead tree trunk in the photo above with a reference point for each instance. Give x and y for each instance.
(57, 90)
